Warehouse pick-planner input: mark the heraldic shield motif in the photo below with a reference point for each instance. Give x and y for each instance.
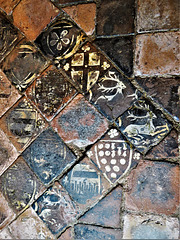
(113, 155)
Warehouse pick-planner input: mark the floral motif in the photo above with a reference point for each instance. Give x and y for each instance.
(58, 40)
(113, 133)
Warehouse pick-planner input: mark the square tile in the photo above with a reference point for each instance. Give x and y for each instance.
(48, 156)
(23, 65)
(80, 124)
(86, 66)
(22, 123)
(50, 92)
(113, 155)
(55, 208)
(143, 125)
(20, 186)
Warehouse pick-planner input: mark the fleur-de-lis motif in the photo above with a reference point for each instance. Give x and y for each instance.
(58, 40)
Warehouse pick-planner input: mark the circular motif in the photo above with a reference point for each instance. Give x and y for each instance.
(113, 175)
(113, 161)
(107, 145)
(108, 168)
(107, 153)
(100, 146)
(122, 161)
(116, 168)
(104, 161)
(101, 153)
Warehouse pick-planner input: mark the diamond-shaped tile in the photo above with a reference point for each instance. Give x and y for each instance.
(20, 186)
(55, 208)
(143, 125)
(22, 123)
(23, 65)
(79, 124)
(113, 94)
(113, 155)
(50, 92)
(48, 156)
(86, 66)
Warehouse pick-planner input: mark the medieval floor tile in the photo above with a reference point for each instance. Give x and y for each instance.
(29, 226)
(106, 212)
(113, 155)
(80, 124)
(89, 232)
(154, 188)
(84, 183)
(67, 235)
(31, 16)
(143, 125)
(152, 14)
(113, 94)
(20, 186)
(86, 66)
(117, 18)
(120, 50)
(84, 15)
(8, 6)
(8, 94)
(5, 234)
(50, 92)
(150, 227)
(60, 3)
(157, 54)
(23, 65)
(8, 153)
(48, 156)
(9, 35)
(22, 123)
(55, 208)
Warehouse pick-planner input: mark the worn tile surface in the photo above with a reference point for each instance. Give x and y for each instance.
(8, 6)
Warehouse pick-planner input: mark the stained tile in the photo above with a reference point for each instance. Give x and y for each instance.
(55, 208)
(143, 125)
(117, 18)
(84, 15)
(113, 94)
(9, 35)
(120, 50)
(8, 6)
(23, 65)
(5, 234)
(79, 124)
(48, 156)
(86, 66)
(50, 92)
(153, 15)
(84, 183)
(22, 123)
(106, 212)
(113, 155)
(20, 186)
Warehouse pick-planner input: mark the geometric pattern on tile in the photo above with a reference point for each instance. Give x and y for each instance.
(113, 94)
(86, 66)
(113, 155)
(55, 208)
(143, 125)
(20, 186)
(50, 92)
(48, 156)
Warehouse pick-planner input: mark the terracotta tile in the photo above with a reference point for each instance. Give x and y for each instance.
(113, 94)
(84, 15)
(22, 123)
(117, 18)
(79, 124)
(157, 54)
(96, 233)
(67, 235)
(55, 208)
(29, 226)
(23, 65)
(50, 92)
(31, 16)
(154, 188)
(120, 50)
(8, 94)
(9, 35)
(86, 66)
(84, 183)
(143, 125)
(60, 3)
(8, 6)
(106, 212)
(48, 156)
(20, 186)
(8, 153)
(150, 227)
(113, 155)
(152, 14)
